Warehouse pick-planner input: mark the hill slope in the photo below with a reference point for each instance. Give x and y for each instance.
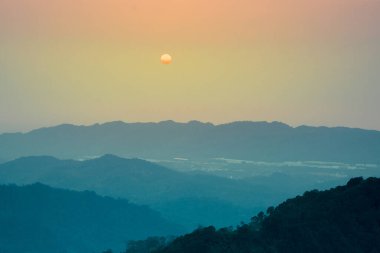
(344, 219)
(191, 199)
(38, 218)
(260, 141)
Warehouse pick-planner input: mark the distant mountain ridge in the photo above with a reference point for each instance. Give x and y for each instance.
(244, 140)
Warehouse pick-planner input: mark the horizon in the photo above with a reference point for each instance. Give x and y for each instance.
(25, 131)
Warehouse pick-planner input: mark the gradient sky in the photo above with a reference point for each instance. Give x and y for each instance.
(311, 62)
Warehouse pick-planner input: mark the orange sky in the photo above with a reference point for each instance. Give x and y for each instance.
(297, 61)
(183, 19)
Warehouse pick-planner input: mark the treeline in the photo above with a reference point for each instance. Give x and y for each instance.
(344, 219)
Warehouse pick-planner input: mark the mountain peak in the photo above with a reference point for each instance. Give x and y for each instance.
(109, 157)
(113, 123)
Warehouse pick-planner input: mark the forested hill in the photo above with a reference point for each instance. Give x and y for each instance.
(344, 219)
(38, 218)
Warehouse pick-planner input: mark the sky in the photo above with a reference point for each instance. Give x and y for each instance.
(314, 62)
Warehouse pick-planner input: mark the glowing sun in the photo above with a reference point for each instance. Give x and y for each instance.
(166, 59)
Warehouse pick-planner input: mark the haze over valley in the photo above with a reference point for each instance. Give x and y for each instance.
(193, 173)
(189, 126)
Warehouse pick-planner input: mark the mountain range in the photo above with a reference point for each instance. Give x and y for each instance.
(260, 141)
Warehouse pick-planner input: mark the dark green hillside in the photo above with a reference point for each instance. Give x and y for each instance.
(38, 218)
(345, 219)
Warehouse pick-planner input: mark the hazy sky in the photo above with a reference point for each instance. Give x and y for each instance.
(314, 62)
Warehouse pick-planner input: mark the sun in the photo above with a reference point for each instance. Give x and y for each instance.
(166, 59)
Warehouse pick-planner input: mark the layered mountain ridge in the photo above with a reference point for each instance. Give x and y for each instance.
(245, 140)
